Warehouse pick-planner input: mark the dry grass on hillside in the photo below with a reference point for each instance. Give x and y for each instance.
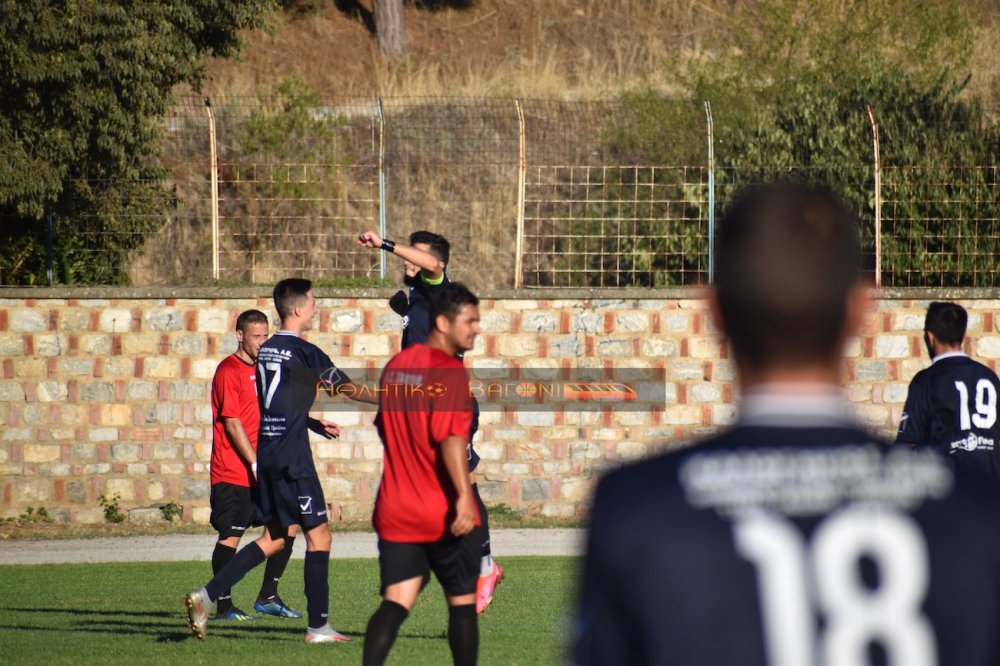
(559, 49)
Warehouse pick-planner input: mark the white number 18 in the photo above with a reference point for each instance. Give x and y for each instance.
(795, 577)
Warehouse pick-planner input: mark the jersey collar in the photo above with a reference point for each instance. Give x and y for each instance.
(289, 333)
(795, 405)
(951, 354)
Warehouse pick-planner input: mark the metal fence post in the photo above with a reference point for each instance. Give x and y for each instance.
(214, 171)
(381, 184)
(878, 198)
(48, 248)
(711, 191)
(522, 166)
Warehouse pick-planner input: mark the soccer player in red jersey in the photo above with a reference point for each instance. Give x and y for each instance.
(425, 265)
(233, 470)
(425, 515)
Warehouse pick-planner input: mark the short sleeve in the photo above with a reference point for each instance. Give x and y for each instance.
(330, 376)
(226, 392)
(450, 403)
(912, 423)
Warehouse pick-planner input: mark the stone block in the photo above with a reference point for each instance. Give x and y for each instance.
(162, 368)
(29, 490)
(188, 344)
(155, 491)
(706, 393)
(682, 415)
(338, 488)
(539, 322)
(680, 370)
(28, 321)
(49, 344)
(11, 345)
(558, 510)
(704, 348)
(11, 392)
(892, 346)
(114, 320)
(51, 391)
(534, 489)
(517, 345)
(631, 450)
(103, 435)
(74, 319)
(658, 348)
(350, 321)
(16, 434)
(123, 488)
(75, 367)
(677, 322)
(195, 489)
(576, 489)
(872, 371)
(614, 348)
(166, 451)
(146, 515)
(41, 453)
(895, 392)
(631, 321)
(141, 344)
(587, 322)
(534, 451)
(164, 320)
(141, 390)
(116, 414)
(76, 492)
(585, 451)
(30, 368)
(184, 391)
(204, 368)
(213, 321)
(371, 345)
(119, 366)
(988, 347)
(565, 346)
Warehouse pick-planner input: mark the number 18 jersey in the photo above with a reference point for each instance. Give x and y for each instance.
(953, 405)
(792, 544)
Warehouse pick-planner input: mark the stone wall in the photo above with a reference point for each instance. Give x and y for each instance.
(106, 391)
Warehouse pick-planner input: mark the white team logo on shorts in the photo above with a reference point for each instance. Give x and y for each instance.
(305, 504)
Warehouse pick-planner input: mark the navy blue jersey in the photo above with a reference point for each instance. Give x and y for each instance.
(290, 371)
(417, 323)
(953, 405)
(791, 545)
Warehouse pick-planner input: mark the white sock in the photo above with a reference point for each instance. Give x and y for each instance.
(485, 565)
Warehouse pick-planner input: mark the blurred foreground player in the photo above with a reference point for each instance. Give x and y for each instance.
(425, 272)
(796, 538)
(952, 405)
(425, 515)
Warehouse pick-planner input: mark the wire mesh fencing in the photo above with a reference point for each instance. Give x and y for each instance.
(531, 193)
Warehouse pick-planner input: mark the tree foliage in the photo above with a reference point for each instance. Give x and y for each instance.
(82, 86)
(790, 98)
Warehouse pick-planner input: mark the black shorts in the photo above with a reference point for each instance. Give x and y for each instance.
(454, 561)
(291, 501)
(233, 510)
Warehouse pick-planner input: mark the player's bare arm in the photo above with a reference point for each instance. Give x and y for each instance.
(453, 452)
(239, 440)
(416, 256)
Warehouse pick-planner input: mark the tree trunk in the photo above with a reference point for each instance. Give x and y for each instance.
(390, 29)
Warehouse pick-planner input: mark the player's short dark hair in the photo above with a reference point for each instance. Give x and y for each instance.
(248, 317)
(439, 245)
(289, 293)
(947, 321)
(787, 256)
(449, 300)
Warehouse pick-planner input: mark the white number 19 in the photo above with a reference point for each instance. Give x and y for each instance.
(986, 405)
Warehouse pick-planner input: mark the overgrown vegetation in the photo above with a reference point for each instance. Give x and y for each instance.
(84, 84)
(791, 101)
(112, 511)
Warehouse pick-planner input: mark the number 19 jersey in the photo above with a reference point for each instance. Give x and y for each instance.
(953, 405)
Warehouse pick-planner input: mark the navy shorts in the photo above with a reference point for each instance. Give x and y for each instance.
(454, 561)
(233, 509)
(291, 501)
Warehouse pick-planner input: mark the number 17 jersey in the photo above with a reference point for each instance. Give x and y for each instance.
(953, 405)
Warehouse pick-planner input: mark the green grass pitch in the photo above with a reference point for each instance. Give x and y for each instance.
(133, 613)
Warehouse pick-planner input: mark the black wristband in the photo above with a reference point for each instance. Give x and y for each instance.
(388, 246)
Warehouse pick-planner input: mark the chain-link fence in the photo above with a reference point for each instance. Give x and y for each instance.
(537, 192)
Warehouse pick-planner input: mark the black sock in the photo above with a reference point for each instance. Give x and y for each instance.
(220, 558)
(463, 634)
(381, 633)
(317, 582)
(274, 569)
(484, 518)
(232, 573)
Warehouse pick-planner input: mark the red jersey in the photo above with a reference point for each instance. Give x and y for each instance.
(234, 394)
(425, 399)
